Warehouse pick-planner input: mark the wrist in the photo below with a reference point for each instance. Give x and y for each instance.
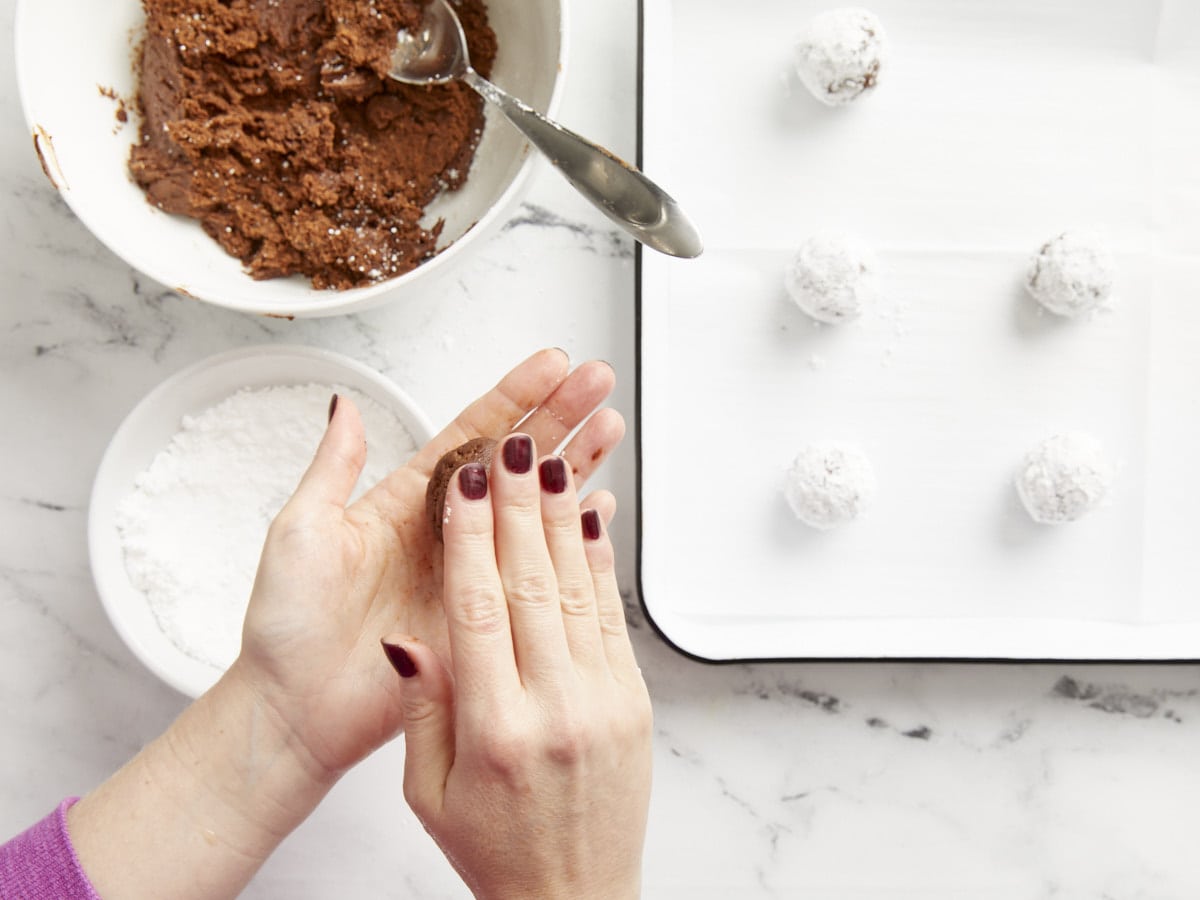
(614, 887)
(618, 891)
(200, 808)
(236, 748)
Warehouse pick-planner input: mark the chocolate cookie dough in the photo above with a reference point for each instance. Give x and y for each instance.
(273, 123)
(479, 450)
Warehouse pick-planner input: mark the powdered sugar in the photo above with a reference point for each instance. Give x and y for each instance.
(193, 527)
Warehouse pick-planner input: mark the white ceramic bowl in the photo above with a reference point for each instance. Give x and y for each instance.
(150, 427)
(66, 50)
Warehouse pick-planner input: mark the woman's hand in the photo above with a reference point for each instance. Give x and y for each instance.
(333, 579)
(529, 757)
(200, 808)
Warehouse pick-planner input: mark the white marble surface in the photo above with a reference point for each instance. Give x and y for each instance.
(832, 781)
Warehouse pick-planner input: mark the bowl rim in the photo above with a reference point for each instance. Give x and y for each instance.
(109, 575)
(320, 303)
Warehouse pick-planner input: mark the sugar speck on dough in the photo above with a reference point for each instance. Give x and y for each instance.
(829, 484)
(1071, 274)
(833, 278)
(1064, 477)
(840, 55)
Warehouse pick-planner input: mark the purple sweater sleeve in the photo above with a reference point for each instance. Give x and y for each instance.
(41, 863)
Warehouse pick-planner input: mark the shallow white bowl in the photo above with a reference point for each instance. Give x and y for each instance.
(150, 427)
(67, 50)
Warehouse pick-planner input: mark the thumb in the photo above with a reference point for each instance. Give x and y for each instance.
(428, 722)
(339, 459)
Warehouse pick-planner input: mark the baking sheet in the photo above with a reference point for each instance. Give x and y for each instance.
(997, 126)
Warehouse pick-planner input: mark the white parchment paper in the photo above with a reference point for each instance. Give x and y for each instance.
(997, 126)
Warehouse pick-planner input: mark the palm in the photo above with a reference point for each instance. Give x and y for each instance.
(334, 580)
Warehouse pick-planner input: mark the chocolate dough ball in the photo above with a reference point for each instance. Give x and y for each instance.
(1064, 477)
(829, 484)
(478, 450)
(840, 55)
(1071, 275)
(833, 278)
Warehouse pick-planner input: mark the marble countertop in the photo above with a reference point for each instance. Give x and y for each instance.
(826, 780)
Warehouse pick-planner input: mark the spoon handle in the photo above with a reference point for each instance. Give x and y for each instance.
(617, 189)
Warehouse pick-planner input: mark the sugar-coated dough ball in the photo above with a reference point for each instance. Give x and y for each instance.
(833, 278)
(829, 484)
(840, 54)
(1071, 275)
(1064, 477)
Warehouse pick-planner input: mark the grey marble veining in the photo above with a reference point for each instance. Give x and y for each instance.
(773, 780)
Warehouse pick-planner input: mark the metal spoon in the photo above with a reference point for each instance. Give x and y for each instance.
(437, 53)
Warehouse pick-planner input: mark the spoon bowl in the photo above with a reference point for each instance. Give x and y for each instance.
(434, 54)
(437, 53)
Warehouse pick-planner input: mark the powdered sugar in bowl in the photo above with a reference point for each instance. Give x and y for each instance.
(159, 513)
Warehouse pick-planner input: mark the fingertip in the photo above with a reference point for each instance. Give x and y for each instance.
(554, 475)
(398, 655)
(599, 377)
(411, 657)
(418, 671)
(467, 516)
(610, 427)
(604, 502)
(593, 527)
(617, 426)
(597, 544)
(472, 481)
(339, 457)
(345, 420)
(517, 453)
(555, 359)
(595, 442)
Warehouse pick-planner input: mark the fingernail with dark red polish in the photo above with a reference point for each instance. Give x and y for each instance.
(591, 525)
(400, 660)
(332, 407)
(472, 481)
(518, 454)
(553, 475)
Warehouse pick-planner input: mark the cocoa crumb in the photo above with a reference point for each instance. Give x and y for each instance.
(110, 93)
